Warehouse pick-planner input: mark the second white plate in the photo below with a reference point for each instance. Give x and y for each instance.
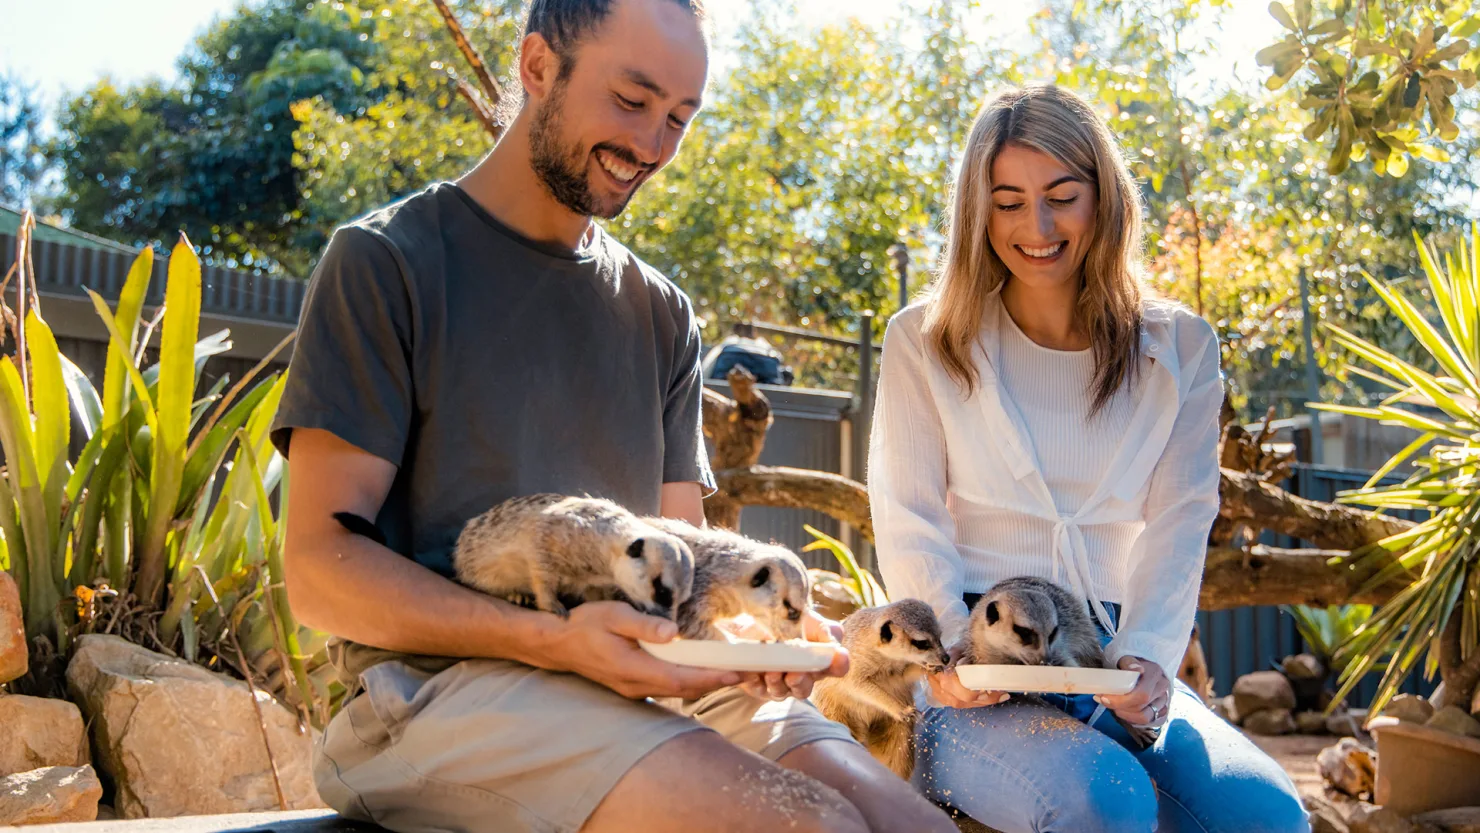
(1046, 679)
(744, 656)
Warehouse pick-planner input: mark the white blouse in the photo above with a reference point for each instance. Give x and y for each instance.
(967, 491)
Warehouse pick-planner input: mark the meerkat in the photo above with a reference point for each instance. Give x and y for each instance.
(556, 551)
(1032, 621)
(735, 575)
(890, 649)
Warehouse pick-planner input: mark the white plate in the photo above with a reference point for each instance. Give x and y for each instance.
(745, 656)
(1046, 679)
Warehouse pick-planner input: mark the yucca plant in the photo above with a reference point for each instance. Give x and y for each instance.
(1438, 613)
(136, 513)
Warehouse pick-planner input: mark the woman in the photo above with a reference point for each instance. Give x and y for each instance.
(1038, 416)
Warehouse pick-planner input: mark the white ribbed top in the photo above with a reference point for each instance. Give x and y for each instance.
(1047, 392)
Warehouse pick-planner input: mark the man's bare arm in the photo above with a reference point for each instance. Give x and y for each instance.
(682, 501)
(355, 588)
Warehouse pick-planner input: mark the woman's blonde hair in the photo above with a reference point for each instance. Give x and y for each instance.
(1058, 123)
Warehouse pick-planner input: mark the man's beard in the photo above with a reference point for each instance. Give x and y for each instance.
(563, 171)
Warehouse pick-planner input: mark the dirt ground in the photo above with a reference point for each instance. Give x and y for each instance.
(1297, 754)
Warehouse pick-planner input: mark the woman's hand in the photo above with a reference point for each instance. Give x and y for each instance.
(947, 687)
(1146, 704)
(779, 685)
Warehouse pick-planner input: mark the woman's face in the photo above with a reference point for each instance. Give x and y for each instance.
(1042, 218)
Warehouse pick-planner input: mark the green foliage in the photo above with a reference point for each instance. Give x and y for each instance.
(1379, 78)
(417, 130)
(134, 511)
(1441, 556)
(1328, 630)
(856, 582)
(22, 163)
(213, 154)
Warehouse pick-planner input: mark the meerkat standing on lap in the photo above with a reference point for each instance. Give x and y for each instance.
(554, 549)
(1032, 621)
(735, 575)
(890, 649)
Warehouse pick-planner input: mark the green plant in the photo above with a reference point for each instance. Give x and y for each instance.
(94, 542)
(1326, 630)
(1438, 612)
(857, 583)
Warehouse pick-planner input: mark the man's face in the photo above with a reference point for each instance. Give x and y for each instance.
(618, 116)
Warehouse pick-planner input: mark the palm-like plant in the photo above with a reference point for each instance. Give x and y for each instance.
(1438, 612)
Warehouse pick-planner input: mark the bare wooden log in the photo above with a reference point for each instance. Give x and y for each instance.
(1271, 576)
(779, 486)
(482, 110)
(1250, 500)
(738, 429)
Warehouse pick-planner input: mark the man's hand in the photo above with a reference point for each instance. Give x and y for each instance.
(947, 687)
(1146, 704)
(599, 642)
(779, 685)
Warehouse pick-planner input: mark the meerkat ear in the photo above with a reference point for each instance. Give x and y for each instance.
(634, 549)
(761, 576)
(992, 614)
(886, 632)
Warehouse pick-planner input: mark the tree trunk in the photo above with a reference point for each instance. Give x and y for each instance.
(1461, 675)
(1273, 576)
(778, 486)
(738, 429)
(1247, 499)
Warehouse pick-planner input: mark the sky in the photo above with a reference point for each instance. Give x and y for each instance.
(64, 46)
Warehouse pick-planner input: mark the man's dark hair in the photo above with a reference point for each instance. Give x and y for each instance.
(563, 23)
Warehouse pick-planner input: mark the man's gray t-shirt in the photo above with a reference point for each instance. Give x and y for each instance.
(488, 366)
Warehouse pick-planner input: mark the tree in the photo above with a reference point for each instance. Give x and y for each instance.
(420, 129)
(22, 163)
(1371, 71)
(212, 155)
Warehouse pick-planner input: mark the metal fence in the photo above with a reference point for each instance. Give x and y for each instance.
(1247, 639)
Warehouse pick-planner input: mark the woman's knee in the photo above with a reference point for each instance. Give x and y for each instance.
(1111, 796)
(1243, 806)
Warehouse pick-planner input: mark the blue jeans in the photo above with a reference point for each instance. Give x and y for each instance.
(1027, 766)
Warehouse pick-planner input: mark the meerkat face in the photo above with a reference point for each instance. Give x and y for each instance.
(776, 594)
(1021, 626)
(917, 643)
(655, 572)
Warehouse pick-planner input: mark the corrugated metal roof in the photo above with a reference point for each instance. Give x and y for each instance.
(10, 223)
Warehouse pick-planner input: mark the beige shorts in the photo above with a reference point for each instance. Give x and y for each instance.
(490, 745)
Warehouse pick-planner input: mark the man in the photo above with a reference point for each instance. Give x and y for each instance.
(486, 339)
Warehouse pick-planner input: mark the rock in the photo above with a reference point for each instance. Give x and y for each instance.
(1369, 819)
(1349, 767)
(1303, 667)
(1271, 722)
(1223, 707)
(1456, 721)
(1324, 816)
(1454, 820)
(40, 732)
(214, 761)
(14, 658)
(1347, 723)
(105, 813)
(1410, 708)
(1311, 723)
(1262, 690)
(50, 795)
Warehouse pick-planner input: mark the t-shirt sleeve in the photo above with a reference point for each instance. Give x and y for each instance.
(685, 459)
(351, 368)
